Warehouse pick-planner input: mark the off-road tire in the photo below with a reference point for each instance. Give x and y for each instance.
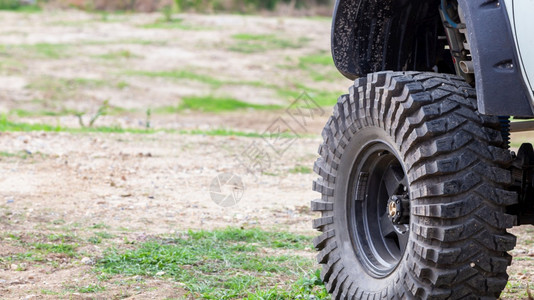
(456, 163)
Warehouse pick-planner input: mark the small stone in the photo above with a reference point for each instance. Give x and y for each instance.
(87, 261)
(2, 281)
(160, 273)
(14, 267)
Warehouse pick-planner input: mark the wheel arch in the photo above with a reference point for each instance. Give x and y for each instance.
(501, 86)
(403, 35)
(373, 35)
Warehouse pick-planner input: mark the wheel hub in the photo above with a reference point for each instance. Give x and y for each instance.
(398, 209)
(380, 212)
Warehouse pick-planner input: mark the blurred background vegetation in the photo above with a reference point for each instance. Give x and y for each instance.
(284, 7)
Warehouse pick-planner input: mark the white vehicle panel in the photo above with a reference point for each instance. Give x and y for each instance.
(524, 25)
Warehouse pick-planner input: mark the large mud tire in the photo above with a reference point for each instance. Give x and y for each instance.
(450, 163)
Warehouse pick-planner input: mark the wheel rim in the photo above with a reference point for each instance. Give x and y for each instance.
(378, 177)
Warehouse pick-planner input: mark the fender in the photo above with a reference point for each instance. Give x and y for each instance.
(403, 35)
(501, 88)
(374, 35)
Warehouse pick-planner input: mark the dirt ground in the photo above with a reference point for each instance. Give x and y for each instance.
(140, 185)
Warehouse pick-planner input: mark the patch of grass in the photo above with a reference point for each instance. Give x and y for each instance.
(58, 222)
(47, 50)
(86, 289)
(193, 76)
(320, 67)
(322, 98)
(172, 24)
(308, 286)
(122, 85)
(99, 236)
(178, 74)
(63, 248)
(317, 59)
(23, 154)
(16, 6)
(38, 249)
(255, 43)
(300, 170)
(8, 126)
(220, 264)
(104, 235)
(515, 290)
(523, 258)
(10, 154)
(61, 237)
(215, 104)
(95, 240)
(99, 226)
(50, 113)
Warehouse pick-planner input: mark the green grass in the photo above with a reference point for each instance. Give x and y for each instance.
(213, 104)
(178, 74)
(301, 170)
(317, 59)
(255, 43)
(15, 6)
(37, 252)
(8, 126)
(99, 226)
(86, 289)
(61, 237)
(320, 67)
(104, 235)
(47, 50)
(322, 98)
(223, 264)
(55, 248)
(19, 154)
(193, 76)
(172, 24)
(22, 154)
(515, 290)
(50, 113)
(99, 237)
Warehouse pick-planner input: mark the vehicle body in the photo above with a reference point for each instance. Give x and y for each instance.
(417, 181)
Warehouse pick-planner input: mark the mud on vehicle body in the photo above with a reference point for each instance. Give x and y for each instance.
(418, 185)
